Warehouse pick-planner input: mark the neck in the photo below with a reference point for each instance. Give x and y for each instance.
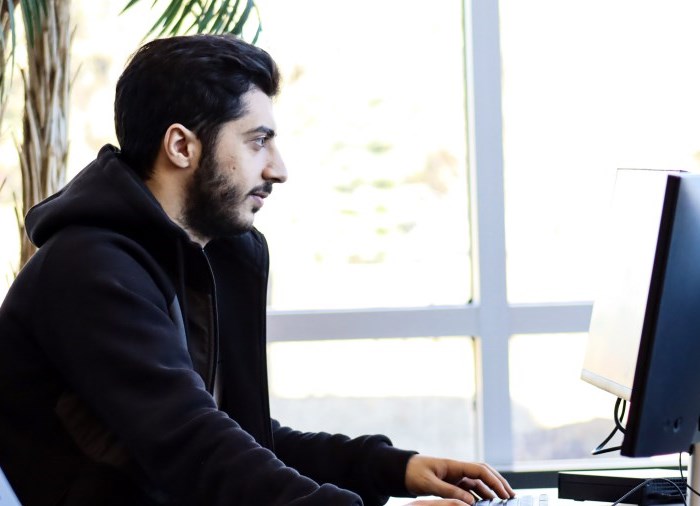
(171, 196)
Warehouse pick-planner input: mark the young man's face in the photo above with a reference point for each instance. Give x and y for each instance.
(231, 182)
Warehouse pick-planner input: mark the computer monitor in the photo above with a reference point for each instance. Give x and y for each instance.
(644, 335)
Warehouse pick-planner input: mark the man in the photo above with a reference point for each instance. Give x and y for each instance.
(132, 345)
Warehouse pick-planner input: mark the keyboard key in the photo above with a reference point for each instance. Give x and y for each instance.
(521, 500)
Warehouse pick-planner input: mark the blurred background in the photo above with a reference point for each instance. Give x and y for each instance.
(435, 250)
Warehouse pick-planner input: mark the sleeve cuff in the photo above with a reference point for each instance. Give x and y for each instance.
(389, 470)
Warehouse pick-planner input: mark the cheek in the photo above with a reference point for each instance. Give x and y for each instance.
(249, 170)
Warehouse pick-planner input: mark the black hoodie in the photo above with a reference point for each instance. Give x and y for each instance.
(110, 339)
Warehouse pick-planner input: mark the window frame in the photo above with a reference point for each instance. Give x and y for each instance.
(490, 319)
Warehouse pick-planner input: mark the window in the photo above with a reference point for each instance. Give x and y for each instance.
(558, 96)
(419, 391)
(599, 85)
(375, 215)
(555, 414)
(372, 128)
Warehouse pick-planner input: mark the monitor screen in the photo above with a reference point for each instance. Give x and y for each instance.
(644, 336)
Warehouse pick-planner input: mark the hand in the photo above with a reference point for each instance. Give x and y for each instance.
(453, 479)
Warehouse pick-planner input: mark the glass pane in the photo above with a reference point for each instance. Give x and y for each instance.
(562, 419)
(372, 128)
(419, 391)
(588, 89)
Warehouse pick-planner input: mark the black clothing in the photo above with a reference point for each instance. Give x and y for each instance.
(110, 338)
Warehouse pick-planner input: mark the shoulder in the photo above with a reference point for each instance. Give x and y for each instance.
(87, 258)
(86, 242)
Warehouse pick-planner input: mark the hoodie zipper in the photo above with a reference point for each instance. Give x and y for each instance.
(214, 357)
(262, 353)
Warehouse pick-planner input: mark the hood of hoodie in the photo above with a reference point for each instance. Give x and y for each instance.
(105, 194)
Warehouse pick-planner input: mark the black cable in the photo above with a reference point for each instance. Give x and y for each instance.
(645, 482)
(618, 417)
(601, 451)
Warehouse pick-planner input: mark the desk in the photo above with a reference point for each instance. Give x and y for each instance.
(552, 495)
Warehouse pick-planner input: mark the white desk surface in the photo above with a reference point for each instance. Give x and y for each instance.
(552, 494)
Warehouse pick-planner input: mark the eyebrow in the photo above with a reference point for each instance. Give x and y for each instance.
(262, 130)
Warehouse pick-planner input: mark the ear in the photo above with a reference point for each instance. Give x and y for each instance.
(181, 146)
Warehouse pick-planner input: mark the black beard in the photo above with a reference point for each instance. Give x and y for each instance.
(211, 203)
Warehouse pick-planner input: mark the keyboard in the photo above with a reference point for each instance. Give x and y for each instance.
(520, 500)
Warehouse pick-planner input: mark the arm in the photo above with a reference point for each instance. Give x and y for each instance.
(375, 470)
(368, 465)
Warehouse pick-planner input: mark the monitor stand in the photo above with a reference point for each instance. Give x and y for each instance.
(694, 474)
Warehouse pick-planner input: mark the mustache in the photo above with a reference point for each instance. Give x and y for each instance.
(266, 187)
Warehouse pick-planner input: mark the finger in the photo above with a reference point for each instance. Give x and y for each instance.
(490, 479)
(504, 482)
(449, 491)
(476, 487)
(483, 491)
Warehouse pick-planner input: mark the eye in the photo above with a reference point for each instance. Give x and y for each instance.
(261, 141)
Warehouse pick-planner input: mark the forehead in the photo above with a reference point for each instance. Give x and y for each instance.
(258, 111)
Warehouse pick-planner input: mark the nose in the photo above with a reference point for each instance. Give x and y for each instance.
(276, 170)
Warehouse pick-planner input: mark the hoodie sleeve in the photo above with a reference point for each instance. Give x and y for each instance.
(104, 323)
(368, 465)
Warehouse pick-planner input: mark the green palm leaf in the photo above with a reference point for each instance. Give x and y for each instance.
(204, 16)
(32, 12)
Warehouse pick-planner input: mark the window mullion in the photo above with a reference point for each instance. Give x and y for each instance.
(483, 64)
